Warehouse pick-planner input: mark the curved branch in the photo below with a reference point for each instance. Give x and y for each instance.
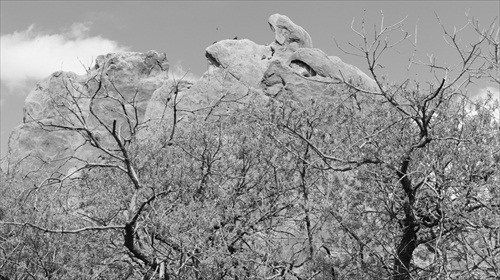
(68, 231)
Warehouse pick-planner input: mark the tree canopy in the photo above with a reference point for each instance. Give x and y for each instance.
(397, 183)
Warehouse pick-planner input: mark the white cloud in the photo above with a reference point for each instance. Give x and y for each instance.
(177, 72)
(484, 92)
(489, 98)
(35, 54)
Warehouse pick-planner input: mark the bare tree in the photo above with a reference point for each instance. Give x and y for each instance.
(428, 151)
(398, 182)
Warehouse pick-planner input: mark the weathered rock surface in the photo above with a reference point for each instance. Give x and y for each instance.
(289, 37)
(47, 143)
(134, 88)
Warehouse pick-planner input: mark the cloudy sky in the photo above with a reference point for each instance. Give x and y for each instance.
(40, 37)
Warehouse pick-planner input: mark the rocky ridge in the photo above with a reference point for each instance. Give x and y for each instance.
(48, 142)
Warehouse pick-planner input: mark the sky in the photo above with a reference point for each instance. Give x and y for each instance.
(41, 37)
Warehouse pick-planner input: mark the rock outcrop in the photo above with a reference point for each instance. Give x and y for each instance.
(48, 142)
(128, 89)
(287, 33)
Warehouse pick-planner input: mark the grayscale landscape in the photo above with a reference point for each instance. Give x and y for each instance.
(250, 140)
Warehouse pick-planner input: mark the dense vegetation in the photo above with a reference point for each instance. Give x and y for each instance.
(402, 183)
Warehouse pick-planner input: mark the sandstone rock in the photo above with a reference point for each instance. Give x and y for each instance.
(132, 65)
(289, 34)
(243, 59)
(31, 147)
(160, 109)
(281, 79)
(134, 88)
(310, 73)
(135, 76)
(353, 74)
(62, 101)
(51, 96)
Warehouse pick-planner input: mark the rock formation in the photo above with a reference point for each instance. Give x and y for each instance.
(239, 70)
(41, 146)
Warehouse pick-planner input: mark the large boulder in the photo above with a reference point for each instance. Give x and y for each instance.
(287, 34)
(130, 89)
(243, 59)
(49, 142)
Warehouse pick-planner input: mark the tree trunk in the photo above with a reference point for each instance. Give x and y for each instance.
(405, 248)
